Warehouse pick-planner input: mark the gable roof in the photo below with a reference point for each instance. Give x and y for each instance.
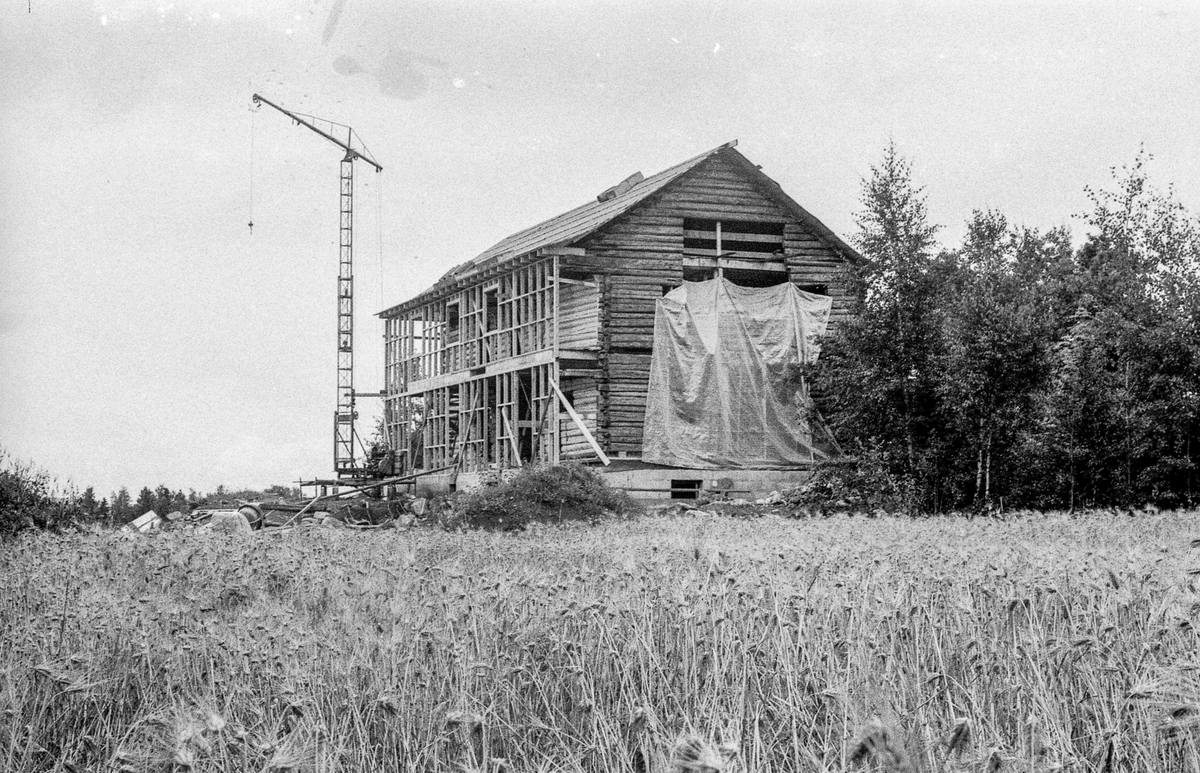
(571, 226)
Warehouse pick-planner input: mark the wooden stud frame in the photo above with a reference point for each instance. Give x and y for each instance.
(443, 396)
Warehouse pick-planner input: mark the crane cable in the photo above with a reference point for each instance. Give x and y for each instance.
(253, 112)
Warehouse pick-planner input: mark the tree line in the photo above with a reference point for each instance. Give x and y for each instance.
(31, 497)
(1016, 369)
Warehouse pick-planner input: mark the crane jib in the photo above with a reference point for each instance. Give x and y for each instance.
(352, 153)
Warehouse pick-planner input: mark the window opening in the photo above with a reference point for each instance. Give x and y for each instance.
(452, 318)
(686, 488)
(714, 238)
(525, 414)
(491, 303)
(748, 277)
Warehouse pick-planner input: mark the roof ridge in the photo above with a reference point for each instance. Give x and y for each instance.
(657, 176)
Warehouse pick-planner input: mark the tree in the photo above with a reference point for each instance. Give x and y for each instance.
(122, 507)
(1119, 420)
(145, 502)
(87, 502)
(179, 502)
(878, 377)
(162, 500)
(996, 333)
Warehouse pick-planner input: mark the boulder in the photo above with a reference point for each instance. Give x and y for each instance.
(231, 523)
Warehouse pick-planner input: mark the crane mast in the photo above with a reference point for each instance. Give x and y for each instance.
(344, 463)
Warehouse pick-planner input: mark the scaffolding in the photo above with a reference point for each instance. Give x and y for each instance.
(469, 373)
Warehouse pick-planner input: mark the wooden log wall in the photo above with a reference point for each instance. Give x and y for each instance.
(579, 315)
(640, 256)
(585, 399)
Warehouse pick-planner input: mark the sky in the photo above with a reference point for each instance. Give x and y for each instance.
(149, 336)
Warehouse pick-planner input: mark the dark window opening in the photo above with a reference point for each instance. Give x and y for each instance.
(686, 489)
(491, 304)
(815, 289)
(734, 236)
(695, 274)
(747, 277)
(525, 415)
(452, 322)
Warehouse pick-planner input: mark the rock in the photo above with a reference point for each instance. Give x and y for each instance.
(332, 523)
(695, 513)
(774, 498)
(230, 523)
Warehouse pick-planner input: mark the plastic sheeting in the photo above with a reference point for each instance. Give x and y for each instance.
(725, 383)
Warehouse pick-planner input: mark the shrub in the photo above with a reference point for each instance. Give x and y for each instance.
(542, 494)
(28, 499)
(864, 482)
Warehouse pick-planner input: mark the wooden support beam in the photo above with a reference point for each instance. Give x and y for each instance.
(587, 434)
(512, 436)
(416, 388)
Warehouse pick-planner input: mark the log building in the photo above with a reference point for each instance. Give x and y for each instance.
(540, 348)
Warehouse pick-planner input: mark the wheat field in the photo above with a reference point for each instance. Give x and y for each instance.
(1035, 643)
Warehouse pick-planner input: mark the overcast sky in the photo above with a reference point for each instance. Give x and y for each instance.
(148, 336)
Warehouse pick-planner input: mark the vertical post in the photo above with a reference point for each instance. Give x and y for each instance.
(554, 312)
(554, 376)
(551, 405)
(720, 271)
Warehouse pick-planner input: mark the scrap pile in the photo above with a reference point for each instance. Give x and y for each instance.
(359, 512)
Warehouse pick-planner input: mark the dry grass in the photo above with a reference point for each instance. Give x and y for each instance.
(1037, 644)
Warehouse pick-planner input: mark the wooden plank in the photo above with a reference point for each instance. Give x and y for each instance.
(519, 362)
(579, 423)
(512, 436)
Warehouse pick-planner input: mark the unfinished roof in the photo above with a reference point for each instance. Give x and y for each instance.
(581, 221)
(570, 227)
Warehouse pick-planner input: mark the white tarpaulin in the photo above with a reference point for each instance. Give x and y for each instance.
(725, 384)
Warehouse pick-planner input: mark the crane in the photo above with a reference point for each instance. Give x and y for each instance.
(344, 436)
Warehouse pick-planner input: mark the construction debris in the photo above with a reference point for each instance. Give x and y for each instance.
(147, 521)
(359, 511)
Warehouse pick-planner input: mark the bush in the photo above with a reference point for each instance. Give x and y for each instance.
(541, 494)
(28, 499)
(864, 482)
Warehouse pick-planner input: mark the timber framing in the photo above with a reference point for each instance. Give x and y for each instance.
(538, 350)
